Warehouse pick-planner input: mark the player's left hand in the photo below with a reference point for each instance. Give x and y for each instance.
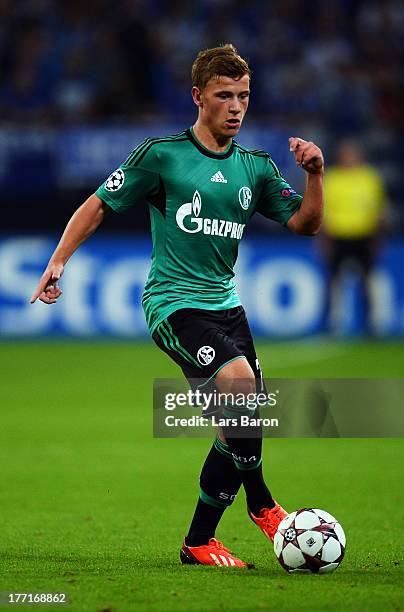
(307, 155)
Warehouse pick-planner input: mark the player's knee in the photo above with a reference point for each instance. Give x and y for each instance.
(243, 386)
(242, 392)
(236, 377)
(237, 386)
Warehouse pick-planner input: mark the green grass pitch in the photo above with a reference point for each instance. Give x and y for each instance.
(93, 506)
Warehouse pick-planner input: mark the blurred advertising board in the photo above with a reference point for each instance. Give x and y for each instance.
(281, 282)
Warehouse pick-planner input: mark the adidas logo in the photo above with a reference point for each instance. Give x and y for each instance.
(218, 178)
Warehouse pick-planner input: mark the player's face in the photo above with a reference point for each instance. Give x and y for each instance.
(223, 104)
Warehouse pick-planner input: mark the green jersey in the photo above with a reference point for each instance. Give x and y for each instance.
(200, 202)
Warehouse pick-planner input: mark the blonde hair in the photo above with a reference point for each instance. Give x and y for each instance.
(216, 62)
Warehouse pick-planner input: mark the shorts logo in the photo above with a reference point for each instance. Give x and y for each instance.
(244, 197)
(115, 181)
(206, 355)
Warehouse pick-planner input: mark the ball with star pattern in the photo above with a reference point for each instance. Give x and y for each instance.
(310, 540)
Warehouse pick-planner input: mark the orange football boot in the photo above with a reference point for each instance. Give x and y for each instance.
(213, 553)
(269, 519)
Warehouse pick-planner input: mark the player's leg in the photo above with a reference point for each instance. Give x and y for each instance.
(365, 257)
(238, 379)
(219, 485)
(336, 255)
(220, 481)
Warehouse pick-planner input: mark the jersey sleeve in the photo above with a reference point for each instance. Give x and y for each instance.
(136, 180)
(278, 201)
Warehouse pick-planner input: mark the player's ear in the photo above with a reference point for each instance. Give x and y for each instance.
(197, 96)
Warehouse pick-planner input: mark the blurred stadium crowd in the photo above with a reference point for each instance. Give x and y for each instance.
(325, 70)
(72, 61)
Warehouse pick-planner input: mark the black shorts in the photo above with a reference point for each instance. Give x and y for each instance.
(201, 342)
(360, 252)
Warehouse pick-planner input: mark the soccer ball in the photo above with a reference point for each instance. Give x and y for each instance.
(115, 180)
(309, 541)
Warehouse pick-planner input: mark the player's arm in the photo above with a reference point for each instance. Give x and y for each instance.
(308, 218)
(82, 224)
(136, 179)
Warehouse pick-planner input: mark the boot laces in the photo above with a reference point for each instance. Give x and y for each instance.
(218, 545)
(268, 515)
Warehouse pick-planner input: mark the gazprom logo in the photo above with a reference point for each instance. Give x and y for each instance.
(191, 208)
(212, 227)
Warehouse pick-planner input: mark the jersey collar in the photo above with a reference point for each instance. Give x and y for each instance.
(208, 152)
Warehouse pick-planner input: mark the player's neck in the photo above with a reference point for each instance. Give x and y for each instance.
(209, 140)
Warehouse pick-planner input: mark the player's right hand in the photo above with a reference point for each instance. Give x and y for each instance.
(48, 290)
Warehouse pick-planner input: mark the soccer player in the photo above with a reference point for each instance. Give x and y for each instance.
(202, 188)
(353, 226)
